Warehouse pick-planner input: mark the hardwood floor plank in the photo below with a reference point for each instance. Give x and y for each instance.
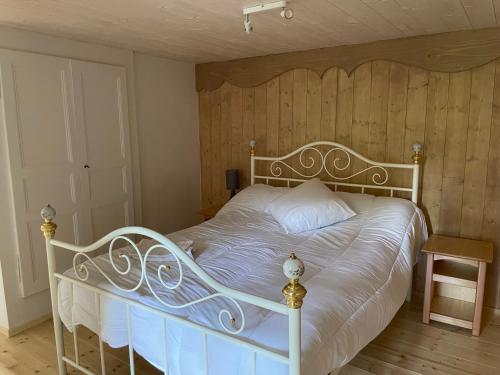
(406, 347)
(352, 370)
(409, 361)
(378, 366)
(428, 352)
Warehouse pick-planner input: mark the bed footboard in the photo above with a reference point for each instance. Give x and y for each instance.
(230, 326)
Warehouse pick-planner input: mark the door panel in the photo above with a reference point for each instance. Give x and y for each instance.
(41, 133)
(41, 99)
(68, 140)
(102, 113)
(38, 189)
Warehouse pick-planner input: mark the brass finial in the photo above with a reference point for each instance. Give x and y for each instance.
(417, 148)
(48, 227)
(294, 292)
(252, 147)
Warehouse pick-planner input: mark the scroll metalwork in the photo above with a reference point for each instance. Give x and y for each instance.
(82, 273)
(379, 177)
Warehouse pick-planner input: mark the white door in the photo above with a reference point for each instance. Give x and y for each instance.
(67, 133)
(102, 111)
(43, 155)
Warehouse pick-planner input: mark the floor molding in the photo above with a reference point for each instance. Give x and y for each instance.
(9, 332)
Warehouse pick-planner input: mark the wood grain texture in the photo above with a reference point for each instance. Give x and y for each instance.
(454, 157)
(478, 136)
(205, 144)
(435, 130)
(396, 115)
(380, 111)
(462, 248)
(212, 30)
(446, 52)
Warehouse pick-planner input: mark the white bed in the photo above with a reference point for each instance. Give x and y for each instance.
(224, 312)
(357, 274)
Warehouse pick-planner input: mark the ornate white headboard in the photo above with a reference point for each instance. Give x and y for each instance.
(326, 159)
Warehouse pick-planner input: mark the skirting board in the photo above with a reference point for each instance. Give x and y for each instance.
(9, 332)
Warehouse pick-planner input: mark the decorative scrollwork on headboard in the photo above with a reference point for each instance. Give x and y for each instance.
(338, 164)
(326, 159)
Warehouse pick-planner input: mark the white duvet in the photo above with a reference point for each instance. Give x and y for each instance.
(357, 274)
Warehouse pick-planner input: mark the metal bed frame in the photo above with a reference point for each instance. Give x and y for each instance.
(313, 159)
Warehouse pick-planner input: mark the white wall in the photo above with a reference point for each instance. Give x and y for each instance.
(155, 117)
(168, 142)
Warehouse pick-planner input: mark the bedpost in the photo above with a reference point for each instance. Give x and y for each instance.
(416, 157)
(49, 230)
(252, 161)
(294, 292)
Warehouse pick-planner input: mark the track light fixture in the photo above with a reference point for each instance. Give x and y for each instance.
(286, 12)
(247, 24)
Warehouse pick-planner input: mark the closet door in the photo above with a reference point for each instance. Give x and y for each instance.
(44, 158)
(102, 113)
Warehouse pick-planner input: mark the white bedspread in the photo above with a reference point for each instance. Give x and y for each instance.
(357, 275)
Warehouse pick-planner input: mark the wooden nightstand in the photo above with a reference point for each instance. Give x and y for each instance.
(460, 262)
(209, 212)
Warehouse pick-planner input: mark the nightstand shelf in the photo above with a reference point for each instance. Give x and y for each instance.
(452, 272)
(460, 263)
(452, 311)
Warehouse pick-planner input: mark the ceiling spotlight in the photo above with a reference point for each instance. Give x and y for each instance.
(248, 24)
(286, 13)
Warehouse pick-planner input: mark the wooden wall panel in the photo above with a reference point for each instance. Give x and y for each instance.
(457, 125)
(435, 130)
(226, 119)
(478, 136)
(396, 115)
(491, 216)
(299, 112)
(345, 102)
(286, 115)
(273, 116)
(248, 134)
(217, 168)
(361, 117)
(205, 144)
(377, 125)
(416, 109)
(380, 110)
(329, 104)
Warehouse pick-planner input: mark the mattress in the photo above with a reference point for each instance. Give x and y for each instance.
(356, 273)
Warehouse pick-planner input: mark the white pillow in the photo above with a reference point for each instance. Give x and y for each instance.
(309, 206)
(256, 197)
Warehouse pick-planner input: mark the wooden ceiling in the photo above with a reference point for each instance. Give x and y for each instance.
(212, 30)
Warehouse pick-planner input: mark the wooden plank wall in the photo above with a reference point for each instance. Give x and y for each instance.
(379, 110)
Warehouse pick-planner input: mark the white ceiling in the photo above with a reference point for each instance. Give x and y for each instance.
(211, 30)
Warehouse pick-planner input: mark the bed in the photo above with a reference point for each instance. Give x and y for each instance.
(208, 299)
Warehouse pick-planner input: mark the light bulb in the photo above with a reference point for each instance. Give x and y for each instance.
(286, 13)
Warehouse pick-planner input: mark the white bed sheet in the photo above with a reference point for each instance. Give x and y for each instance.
(357, 275)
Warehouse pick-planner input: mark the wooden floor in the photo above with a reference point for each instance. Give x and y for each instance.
(405, 347)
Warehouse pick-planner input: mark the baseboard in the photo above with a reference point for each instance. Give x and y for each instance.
(9, 332)
(4, 331)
